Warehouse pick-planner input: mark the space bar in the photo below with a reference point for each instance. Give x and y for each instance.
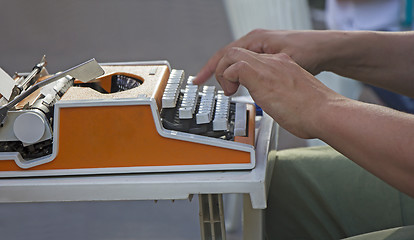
(240, 119)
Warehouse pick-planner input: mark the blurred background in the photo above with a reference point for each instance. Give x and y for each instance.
(184, 32)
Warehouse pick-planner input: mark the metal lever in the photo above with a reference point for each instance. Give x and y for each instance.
(84, 72)
(25, 83)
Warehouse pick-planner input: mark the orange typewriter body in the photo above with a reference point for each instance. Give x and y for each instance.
(99, 132)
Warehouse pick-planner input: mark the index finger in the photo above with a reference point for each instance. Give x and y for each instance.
(210, 67)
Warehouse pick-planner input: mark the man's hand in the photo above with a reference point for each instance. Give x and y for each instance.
(290, 94)
(383, 59)
(304, 47)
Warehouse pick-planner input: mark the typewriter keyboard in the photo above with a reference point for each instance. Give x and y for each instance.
(186, 107)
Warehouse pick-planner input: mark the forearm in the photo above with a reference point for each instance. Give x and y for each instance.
(377, 138)
(381, 59)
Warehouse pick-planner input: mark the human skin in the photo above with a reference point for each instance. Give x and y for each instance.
(277, 68)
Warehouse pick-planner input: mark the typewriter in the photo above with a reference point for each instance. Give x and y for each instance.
(112, 118)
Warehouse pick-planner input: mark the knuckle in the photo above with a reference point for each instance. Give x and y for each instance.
(232, 53)
(283, 56)
(257, 31)
(244, 68)
(242, 65)
(218, 76)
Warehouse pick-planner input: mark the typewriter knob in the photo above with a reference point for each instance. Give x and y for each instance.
(29, 127)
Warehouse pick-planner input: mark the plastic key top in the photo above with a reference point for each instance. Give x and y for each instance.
(221, 116)
(205, 110)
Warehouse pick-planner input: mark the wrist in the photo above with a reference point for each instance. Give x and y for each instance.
(336, 50)
(325, 118)
(348, 51)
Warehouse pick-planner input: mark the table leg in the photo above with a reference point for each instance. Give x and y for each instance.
(211, 217)
(253, 220)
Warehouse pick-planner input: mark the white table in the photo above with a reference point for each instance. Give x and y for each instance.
(160, 186)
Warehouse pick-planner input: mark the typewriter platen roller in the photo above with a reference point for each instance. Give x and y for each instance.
(119, 118)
